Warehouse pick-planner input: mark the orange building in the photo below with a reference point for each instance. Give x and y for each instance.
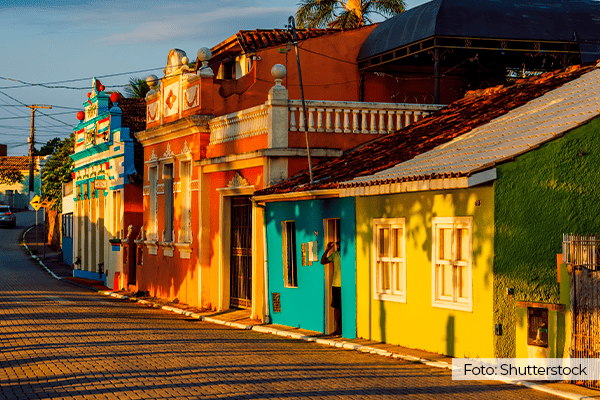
(219, 131)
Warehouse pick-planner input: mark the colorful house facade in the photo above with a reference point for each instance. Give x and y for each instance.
(107, 187)
(458, 220)
(235, 117)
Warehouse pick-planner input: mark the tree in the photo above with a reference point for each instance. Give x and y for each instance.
(344, 14)
(57, 171)
(9, 175)
(137, 88)
(48, 148)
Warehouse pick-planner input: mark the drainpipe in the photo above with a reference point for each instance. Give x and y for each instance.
(265, 262)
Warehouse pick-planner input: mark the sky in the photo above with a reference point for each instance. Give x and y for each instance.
(51, 50)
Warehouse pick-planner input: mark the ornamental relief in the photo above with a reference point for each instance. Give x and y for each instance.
(160, 188)
(146, 191)
(237, 181)
(152, 112)
(168, 153)
(194, 185)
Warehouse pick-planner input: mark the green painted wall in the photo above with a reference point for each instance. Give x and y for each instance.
(417, 323)
(538, 197)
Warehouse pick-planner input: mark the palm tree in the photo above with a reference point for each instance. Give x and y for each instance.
(136, 89)
(344, 14)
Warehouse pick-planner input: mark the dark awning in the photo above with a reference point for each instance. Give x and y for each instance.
(539, 20)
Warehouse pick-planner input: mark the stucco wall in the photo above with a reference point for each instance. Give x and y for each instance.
(416, 323)
(541, 195)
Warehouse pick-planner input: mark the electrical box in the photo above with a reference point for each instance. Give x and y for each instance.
(313, 254)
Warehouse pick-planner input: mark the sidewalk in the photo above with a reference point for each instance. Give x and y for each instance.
(240, 319)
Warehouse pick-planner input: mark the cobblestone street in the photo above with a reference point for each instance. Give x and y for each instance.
(62, 341)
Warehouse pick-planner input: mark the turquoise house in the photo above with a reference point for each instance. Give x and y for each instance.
(298, 285)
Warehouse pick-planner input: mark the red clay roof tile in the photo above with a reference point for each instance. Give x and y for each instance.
(460, 117)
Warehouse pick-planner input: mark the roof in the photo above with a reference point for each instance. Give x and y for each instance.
(518, 131)
(18, 162)
(249, 41)
(537, 20)
(489, 110)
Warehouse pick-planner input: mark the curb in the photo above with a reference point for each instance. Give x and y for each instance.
(299, 336)
(343, 345)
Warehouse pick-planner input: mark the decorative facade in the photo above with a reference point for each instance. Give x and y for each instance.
(235, 115)
(107, 189)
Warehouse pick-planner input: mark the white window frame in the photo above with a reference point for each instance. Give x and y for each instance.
(153, 209)
(455, 301)
(185, 174)
(396, 262)
(287, 248)
(169, 202)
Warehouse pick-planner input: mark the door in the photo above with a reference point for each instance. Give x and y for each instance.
(241, 252)
(332, 234)
(585, 314)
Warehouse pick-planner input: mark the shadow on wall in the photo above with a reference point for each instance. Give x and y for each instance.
(450, 335)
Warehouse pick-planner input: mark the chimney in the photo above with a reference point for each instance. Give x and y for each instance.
(3, 150)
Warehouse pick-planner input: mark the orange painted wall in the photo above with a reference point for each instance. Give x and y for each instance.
(329, 71)
(210, 273)
(163, 276)
(237, 146)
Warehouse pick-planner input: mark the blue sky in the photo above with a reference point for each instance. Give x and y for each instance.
(50, 42)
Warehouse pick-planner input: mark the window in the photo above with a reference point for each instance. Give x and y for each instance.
(186, 209)
(389, 255)
(452, 263)
(116, 215)
(152, 218)
(67, 225)
(168, 205)
(290, 271)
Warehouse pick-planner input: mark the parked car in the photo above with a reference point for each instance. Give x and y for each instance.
(7, 217)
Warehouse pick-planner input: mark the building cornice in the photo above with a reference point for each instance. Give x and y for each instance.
(174, 130)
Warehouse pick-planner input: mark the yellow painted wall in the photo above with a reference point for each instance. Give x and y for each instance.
(416, 323)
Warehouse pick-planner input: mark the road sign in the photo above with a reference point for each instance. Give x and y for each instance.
(35, 202)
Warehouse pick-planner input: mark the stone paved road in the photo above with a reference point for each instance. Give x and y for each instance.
(62, 341)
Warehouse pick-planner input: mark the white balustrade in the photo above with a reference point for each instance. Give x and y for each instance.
(323, 116)
(357, 117)
(239, 125)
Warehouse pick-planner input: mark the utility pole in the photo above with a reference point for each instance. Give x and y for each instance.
(31, 144)
(292, 26)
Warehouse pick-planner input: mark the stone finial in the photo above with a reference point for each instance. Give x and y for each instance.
(204, 55)
(278, 72)
(152, 81)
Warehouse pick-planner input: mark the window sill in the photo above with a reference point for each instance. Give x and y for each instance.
(452, 305)
(185, 249)
(397, 298)
(168, 248)
(152, 246)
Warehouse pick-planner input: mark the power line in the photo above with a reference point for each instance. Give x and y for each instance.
(47, 84)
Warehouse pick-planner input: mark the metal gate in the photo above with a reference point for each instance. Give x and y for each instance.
(585, 304)
(241, 252)
(581, 253)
